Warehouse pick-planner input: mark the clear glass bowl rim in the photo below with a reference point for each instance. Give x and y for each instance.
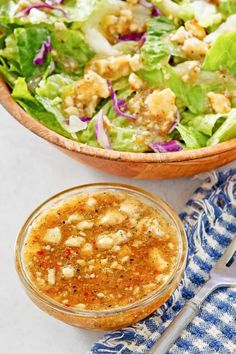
(161, 205)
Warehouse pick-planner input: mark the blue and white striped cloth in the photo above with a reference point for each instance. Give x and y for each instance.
(210, 224)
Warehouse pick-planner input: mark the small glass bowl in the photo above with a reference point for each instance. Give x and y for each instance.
(113, 318)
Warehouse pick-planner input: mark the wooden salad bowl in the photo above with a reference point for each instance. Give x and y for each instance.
(127, 164)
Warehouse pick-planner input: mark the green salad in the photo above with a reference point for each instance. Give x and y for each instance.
(135, 75)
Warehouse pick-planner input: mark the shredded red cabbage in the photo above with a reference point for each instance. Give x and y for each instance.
(143, 39)
(168, 146)
(27, 10)
(122, 105)
(118, 105)
(100, 132)
(156, 12)
(135, 36)
(40, 57)
(83, 119)
(175, 123)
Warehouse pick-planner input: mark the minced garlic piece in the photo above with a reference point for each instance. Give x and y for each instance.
(112, 217)
(53, 235)
(68, 271)
(91, 202)
(85, 225)
(157, 260)
(75, 241)
(51, 276)
(74, 218)
(104, 242)
(100, 295)
(80, 306)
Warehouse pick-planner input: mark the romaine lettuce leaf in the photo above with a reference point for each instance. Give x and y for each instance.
(192, 138)
(80, 10)
(154, 52)
(124, 139)
(226, 27)
(22, 96)
(205, 123)
(227, 7)
(7, 8)
(53, 86)
(8, 74)
(222, 54)
(9, 61)
(10, 50)
(226, 131)
(72, 52)
(158, 26)
(121, 138)
(49, 95)
(154, 78)
(191, 96)
(29, 40)
(155, 49)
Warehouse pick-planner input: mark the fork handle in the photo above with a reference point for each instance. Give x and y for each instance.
(174, 330)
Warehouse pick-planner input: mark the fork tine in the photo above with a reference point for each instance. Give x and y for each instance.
(231, 249)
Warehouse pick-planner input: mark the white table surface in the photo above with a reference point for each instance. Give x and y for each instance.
(31, 170)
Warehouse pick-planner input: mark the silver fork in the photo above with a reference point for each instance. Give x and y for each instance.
(220, 276)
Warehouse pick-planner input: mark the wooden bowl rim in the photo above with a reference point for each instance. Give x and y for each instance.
(32, 124)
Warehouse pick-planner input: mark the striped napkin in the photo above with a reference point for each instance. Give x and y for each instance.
(210, 223)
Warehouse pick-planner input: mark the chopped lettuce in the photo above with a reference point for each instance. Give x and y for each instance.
(209, 129)
(227, 7)
(9, 76)
(49, 95)
(71, 52)
(154, 52)
(22, 95)
(10, 51)
(205, 123)
(191, 96)
(53, 86)
(121, 138)
(192, 138)
(226, 131)
(154, 78)
(29, 41)
(80, 10)
(6, 8)
(226, 27)
(155, 49)
(222, 54)
(160, 25)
